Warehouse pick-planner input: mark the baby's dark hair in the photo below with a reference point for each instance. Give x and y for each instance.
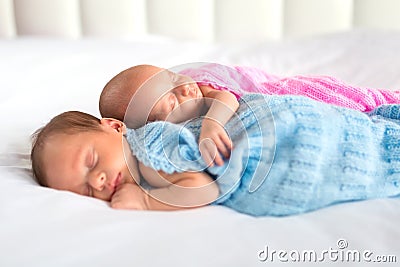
(116, 94)
(70, 122)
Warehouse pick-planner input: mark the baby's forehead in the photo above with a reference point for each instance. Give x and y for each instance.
(73, 136)
(146, 72)
(143, 98)
(151, 82)
(142, 77)
(150, 70)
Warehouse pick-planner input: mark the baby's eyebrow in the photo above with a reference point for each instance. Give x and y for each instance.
(79, 158)
(86, 156)
(82, 156)
(89, 160)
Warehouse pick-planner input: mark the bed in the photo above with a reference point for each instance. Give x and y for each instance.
(48, 68)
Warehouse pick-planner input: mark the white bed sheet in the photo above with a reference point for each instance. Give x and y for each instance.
(43, 227)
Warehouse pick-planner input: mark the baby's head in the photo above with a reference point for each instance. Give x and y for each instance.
(78, 152)
(117, 93)
(147, 93)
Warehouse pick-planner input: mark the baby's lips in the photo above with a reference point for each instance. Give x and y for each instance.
(116, 185)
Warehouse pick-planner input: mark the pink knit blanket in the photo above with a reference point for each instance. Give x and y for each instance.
(240, 80)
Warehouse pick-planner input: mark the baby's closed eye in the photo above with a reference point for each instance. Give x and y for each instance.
(90, 159)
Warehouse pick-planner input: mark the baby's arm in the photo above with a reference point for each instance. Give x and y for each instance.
(222, 105)
(181, 190)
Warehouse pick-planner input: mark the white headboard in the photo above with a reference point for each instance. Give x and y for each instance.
(204, 20)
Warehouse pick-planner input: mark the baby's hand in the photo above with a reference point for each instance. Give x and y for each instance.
(213, 142)
(129, 196)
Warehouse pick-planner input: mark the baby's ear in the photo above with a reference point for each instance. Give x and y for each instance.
(114, 124)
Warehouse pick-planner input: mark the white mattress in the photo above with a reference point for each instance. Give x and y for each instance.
(44, 227)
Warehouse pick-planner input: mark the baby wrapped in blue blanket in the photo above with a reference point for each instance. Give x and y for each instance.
(291, 154)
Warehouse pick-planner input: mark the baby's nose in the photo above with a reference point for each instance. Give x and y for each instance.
(98, 181)
(183, 92)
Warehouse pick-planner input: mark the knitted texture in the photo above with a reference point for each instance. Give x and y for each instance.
(291, 154)
(240, 80)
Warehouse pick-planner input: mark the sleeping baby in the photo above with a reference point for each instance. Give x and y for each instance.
(291, 155)
(151, 93)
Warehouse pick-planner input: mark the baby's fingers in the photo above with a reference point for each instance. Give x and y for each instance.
(208, 151)
(222, 149)
(224, 145)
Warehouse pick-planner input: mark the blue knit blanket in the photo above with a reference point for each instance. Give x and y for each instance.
(291, 154)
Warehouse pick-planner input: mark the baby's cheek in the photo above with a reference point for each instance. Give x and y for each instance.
(161, 110)
(154, 115)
